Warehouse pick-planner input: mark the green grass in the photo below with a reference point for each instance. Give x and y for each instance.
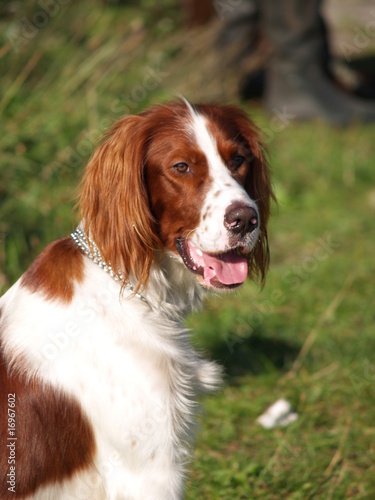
(307, 336)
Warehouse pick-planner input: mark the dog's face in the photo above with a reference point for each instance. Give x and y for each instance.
(197, 167)
(191, 181)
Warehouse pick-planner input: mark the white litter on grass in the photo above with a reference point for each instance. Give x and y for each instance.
(279, 414)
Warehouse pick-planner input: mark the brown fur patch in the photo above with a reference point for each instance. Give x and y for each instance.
(56, 271)
(54, 439)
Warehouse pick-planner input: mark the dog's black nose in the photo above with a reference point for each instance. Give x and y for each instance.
(240, 218)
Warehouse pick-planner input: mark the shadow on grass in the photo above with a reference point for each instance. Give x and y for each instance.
(256, 354)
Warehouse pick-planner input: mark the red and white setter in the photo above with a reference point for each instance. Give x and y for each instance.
(98, 378)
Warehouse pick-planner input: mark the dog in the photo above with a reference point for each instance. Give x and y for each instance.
(98, 378)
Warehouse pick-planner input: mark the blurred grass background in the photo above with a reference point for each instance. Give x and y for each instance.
(309, 335)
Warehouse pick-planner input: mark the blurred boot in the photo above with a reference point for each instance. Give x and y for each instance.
(297, 80)
(240, 29)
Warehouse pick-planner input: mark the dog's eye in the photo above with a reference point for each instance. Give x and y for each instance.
(237, 161)
(182, 168)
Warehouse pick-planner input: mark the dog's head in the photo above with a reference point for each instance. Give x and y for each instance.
(191, 180)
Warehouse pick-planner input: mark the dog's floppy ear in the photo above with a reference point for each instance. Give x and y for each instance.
(258, 186)
(114, 204)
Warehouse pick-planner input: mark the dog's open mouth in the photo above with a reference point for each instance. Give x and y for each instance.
(223, 270)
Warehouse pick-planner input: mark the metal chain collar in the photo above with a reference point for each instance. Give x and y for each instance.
(88, 247)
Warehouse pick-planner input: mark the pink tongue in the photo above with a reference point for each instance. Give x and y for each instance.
(229, 268)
